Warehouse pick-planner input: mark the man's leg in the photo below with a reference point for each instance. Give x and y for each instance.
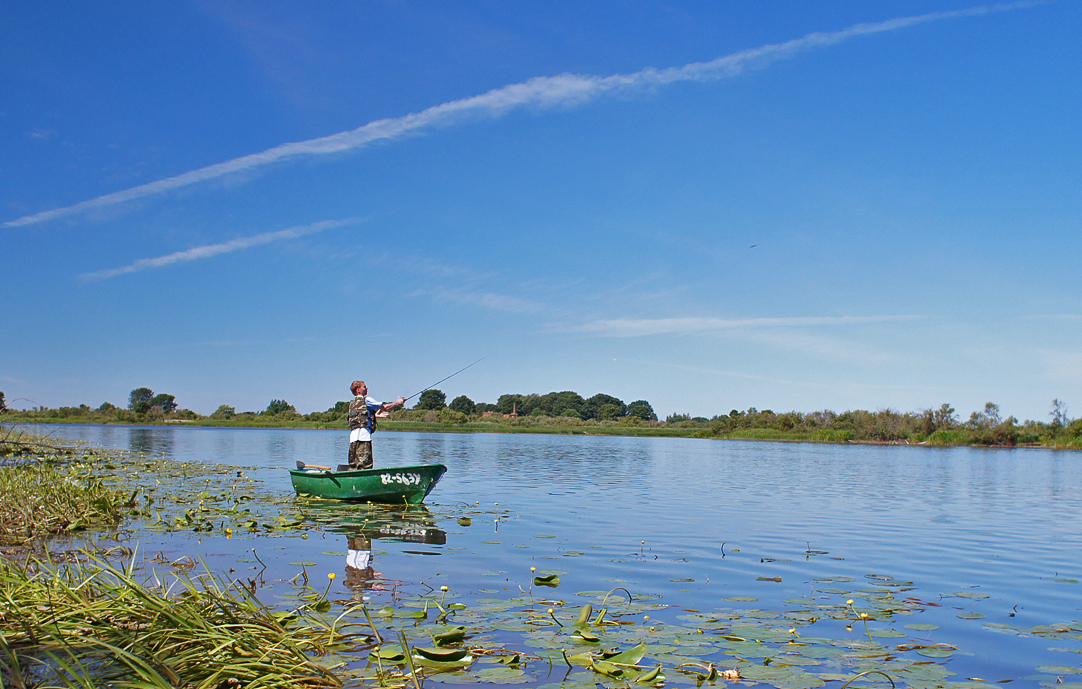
(360, 454)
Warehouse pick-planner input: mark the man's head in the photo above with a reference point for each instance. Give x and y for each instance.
(358, 388)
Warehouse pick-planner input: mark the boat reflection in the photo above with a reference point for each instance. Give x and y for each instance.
(364, 523)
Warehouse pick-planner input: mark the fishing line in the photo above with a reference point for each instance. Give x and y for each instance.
(447, 378)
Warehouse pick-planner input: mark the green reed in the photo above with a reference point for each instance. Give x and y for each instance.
(42, 497)
(92, 623)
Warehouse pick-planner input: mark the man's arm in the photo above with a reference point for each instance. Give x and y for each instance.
(387, 406)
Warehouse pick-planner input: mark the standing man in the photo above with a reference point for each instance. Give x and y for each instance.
(362, 422)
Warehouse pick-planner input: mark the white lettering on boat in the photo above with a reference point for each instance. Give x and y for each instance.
(404, 479)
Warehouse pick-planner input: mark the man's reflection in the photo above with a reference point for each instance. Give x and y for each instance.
(359, 571)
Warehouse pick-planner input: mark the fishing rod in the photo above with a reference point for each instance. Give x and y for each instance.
(447, 378)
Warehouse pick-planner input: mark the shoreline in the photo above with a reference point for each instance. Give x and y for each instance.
(615, 429)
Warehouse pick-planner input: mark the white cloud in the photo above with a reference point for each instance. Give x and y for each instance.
(540, 92)
(210, 250)
(639, 327)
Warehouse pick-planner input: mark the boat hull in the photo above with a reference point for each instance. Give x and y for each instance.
(396, 485)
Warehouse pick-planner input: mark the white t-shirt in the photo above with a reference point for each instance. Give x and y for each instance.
(362, 433)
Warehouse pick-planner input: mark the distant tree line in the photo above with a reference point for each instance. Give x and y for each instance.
(936, 426)
(566, 404)
(939, 425)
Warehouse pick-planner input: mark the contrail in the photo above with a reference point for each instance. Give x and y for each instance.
(215, 249)
(541, 92)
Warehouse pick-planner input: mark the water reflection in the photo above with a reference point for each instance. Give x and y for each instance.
(359, 570)
(151, 441)
(365, 523)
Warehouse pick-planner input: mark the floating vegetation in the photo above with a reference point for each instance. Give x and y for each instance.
(611, 639)
(93, 624)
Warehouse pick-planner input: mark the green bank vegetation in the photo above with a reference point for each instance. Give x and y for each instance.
(570, 413)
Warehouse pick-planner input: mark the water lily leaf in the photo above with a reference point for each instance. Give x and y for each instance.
(584, 615)
(971, 616)
(1059, 669)
(502, 675)
(608, 669)
(465, 521)
(510, 660)
(967, 594)
(443, 655)
(631, 656)
(450, 636)
(650, 676)
(888, 633)
(391, 653)
(583, 659)
(741, 598)
(922, 627)
(587, 636)
(934, 653)
(550, 580)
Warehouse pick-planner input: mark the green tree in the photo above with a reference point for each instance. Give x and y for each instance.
(592, 407)
(223, 412)
(431, 399)
(278, 406)
(139, 400)
(3, 404)
(607, 412)
(558, 403)
(641, 409)
(463, 405)
(168, 403)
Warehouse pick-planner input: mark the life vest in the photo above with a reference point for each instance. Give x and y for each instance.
(356, 415)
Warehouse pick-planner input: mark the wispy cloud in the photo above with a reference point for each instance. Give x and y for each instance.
(564, 90)
(210, 250)
(486, 300)
(640, 327)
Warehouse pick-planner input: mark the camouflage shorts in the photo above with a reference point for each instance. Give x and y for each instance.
(360, 454)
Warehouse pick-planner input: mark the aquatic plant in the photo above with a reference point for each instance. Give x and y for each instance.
(44, 497)
(91, 623)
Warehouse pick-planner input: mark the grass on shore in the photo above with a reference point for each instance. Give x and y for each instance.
(44, 497)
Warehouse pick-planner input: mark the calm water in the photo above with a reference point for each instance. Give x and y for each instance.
(641, 513)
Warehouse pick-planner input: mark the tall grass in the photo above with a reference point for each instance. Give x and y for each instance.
(40, 498)
(92, 624)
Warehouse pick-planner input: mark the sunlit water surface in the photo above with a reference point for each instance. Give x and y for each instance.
(697, 522)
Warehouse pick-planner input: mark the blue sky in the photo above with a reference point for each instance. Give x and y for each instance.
(783, 205)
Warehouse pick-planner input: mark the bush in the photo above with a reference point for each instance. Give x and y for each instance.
(451, 416)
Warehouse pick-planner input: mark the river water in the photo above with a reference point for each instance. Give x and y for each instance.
(990, 540)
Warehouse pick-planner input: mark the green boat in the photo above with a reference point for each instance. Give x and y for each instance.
(397, 485)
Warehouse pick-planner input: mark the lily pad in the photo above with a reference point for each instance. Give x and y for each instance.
(934, 652)
(1059, 669)
(922, 627)
(442, 655)
(550, 580)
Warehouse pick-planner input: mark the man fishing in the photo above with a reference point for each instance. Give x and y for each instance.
(362, 423)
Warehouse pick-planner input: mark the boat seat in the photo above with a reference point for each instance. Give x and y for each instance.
(343, 467)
